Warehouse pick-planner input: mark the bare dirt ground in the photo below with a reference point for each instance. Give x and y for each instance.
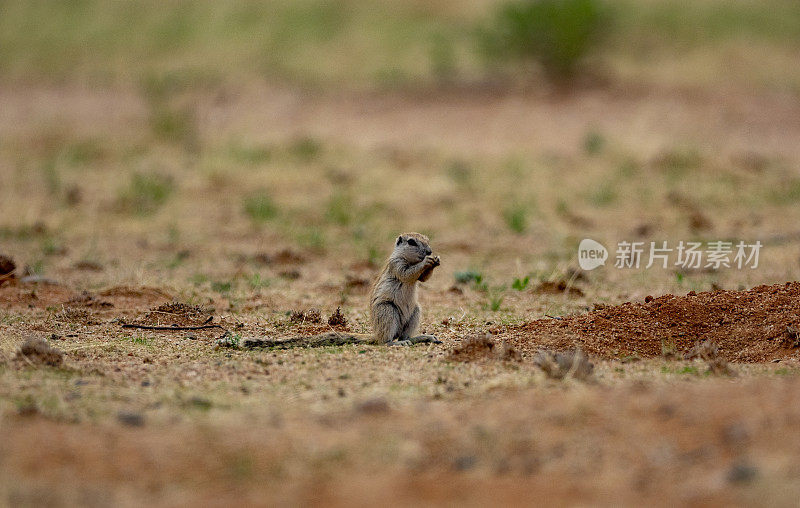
(170, 417)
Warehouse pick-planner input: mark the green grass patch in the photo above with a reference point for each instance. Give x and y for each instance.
(145, 193)
(556, 34)
(260, 207)
(516, 218)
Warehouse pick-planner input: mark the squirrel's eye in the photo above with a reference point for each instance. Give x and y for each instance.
(412, 242)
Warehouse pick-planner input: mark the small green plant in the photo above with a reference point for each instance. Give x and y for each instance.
(260, 207)
(593, 143)
(788, 193)
(669, 349)
(145, 193)
(628, 168)
(200, 403)
(306, 148)
(557, 34)
(198, 279)
(373, 255)
(495, 301)
(222, 286)
(443, 58)
(172, 120)
(521, 284)
(252, 155)
(467, 276)
(231, 340)
(339, 209)
(52, 177)
(50, 246)
(175, 125)
(139, 340)
(688, 369)
(460, 172)
(83, 152)
(257, 282)
(37, 267)
(603, 195)
(678, 162)
(516, 217)
(312, 238)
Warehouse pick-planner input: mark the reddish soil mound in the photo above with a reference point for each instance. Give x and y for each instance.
(25, 295)
(747, 326)
(126, 297)
(18, 293)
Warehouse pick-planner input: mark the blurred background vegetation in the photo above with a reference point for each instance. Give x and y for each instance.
(397, 42)
(240, 124)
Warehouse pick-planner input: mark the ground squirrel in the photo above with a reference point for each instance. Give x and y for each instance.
(394, 311)
(393, 306)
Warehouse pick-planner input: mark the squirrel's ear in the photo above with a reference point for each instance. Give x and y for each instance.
(399, 240)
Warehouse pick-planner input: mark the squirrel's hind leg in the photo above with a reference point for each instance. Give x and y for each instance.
(410, 328)
(385, 323)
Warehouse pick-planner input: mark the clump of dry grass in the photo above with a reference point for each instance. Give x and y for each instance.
(709, 353)
(373, 406)
(562, 365)
(72, 314)
(179, 308)
(38, 351)
(337, 318)
(308, 316)
(177, 314)
(792, 337)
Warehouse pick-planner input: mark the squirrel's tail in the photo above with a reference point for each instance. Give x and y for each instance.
(321, 340)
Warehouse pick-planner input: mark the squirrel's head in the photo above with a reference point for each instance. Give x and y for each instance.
(412, 247)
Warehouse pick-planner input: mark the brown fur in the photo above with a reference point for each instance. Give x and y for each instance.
(394, 311)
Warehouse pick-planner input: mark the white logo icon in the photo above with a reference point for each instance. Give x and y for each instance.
(591, 254)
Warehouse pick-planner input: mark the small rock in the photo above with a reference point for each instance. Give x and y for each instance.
(130, 418)
(464, 463)
(37, 350)
(7, 265)
(559, 365)
(741, 473)
(373, 406)
(28, 410)
(200, 403)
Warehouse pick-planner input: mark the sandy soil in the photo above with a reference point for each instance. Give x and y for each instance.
(171, 417)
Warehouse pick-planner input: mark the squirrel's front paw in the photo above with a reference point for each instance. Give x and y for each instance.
(432, 261)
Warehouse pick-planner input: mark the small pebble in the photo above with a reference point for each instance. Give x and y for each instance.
(130, 419)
